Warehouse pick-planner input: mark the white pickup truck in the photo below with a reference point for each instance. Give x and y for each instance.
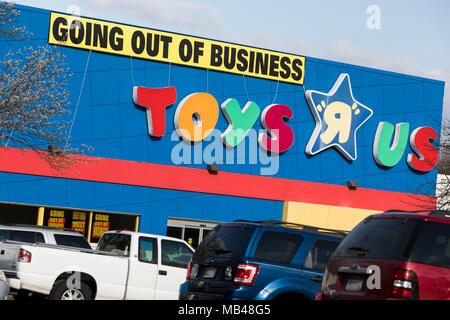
(125, 265)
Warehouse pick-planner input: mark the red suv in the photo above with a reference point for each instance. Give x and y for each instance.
(393, 255)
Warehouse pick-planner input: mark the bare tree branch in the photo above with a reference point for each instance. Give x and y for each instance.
(8, 16)
(34, 97)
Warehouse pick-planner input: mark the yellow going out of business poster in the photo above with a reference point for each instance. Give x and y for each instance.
(156, 45)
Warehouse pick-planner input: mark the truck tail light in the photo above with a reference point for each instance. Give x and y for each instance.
(405, 285)
(189, 270)
(24, 256)
(245, 274)
(192, 271)
(3, 276)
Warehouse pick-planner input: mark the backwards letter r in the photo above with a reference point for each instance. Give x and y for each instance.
(155, 100)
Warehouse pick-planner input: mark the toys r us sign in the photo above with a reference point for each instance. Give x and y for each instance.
(337, 114)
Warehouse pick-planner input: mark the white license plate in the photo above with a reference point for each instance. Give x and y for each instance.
(354, 285)
(209, 272)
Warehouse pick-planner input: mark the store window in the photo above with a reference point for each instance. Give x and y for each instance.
(91, 224)
(18, 214)
(67, 219)
(175, 232)
(191, 231)
(192, 236)
(78, 220)
(103, 222)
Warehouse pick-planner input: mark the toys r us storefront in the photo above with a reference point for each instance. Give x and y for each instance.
(188, 132)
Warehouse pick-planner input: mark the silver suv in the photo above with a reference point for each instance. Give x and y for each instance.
(4, 286)
(40, 234)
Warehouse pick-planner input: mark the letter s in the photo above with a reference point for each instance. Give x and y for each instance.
(282, 135)
(427, 154)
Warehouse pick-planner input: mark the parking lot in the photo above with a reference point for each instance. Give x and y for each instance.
(392, 255)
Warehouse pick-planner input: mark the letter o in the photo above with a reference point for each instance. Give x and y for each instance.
(196, 116)
(138, 42)
(185, 46)
(76, 39)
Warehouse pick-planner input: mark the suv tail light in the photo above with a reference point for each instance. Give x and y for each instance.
(319, 296)
(245, 274)
(406, 285)
(24, 256)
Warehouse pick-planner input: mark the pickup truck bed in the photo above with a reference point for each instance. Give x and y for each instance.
(125, 265)
(9, 252)
(36, 276)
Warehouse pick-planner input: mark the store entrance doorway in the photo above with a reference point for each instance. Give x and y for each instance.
(192, 231)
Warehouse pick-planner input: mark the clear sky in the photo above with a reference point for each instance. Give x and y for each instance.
(413, 36)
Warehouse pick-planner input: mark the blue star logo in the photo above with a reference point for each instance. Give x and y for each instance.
(338, 117)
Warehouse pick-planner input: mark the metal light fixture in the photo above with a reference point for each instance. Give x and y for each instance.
(352, 184)
(212, 168)
(54, 149)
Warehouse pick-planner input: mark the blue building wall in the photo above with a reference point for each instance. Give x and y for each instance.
(154, 205)
(107, 120)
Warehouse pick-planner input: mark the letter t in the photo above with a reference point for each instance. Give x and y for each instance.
(155, 100)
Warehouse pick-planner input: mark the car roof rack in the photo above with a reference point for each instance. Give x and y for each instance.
(292, 224)
(431, 212)
(440, 213)
(37, 227)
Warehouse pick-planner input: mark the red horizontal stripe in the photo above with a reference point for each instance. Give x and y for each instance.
(224, 183)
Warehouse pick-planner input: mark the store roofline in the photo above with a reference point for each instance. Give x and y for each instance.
(319, 60)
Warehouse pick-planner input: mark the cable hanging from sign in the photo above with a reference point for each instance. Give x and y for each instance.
(168, 81)
(245, 87)
(78, 101)
(276, 92)
(131, 71)
(304, 89)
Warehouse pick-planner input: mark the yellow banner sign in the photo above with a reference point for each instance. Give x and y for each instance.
(97, 35)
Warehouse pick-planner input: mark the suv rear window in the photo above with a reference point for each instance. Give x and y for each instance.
(320, 254)
(72, 241)
(433, 244)
(225, 240)
(22, 236)
(278, 247)
(378, 239)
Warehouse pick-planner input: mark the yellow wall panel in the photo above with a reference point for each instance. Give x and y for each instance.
(323, 216)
